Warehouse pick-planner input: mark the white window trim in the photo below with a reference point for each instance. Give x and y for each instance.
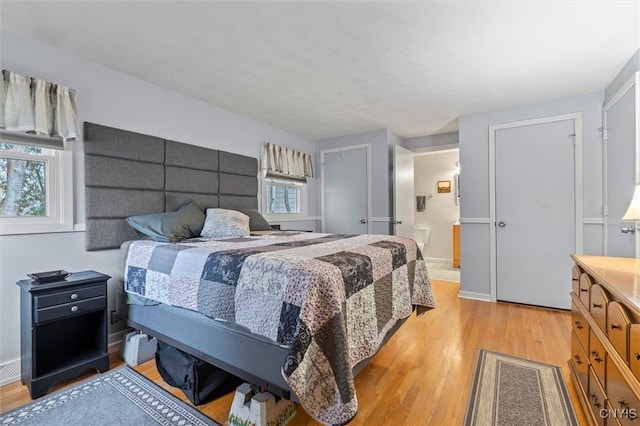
(282, 217)
(59, 201)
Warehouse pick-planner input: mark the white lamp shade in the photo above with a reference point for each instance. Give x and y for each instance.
(633, 212)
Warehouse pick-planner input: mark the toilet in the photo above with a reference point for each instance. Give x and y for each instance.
(421, 235)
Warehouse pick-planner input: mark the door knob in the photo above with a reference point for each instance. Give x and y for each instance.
(363, 221)
(501, 224)
(627, 229)
(398, 222)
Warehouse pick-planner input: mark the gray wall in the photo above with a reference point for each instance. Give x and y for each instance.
(474, 181)
(380, 201)
(118, 100)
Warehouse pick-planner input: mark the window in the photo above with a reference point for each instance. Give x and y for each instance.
(283, 199)
(35, 186)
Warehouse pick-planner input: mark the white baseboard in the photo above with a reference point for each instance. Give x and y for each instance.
(438, 260)
(10, 372)
(483, 297)
(117, 337)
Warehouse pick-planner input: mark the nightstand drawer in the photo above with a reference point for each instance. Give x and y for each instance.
(69, 296)
(69, 309)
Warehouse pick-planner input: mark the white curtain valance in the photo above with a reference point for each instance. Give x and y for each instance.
(33, 105)
(286, 163)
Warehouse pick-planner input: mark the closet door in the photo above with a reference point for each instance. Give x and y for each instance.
(535, 213)
(346, 190)
(621, 173)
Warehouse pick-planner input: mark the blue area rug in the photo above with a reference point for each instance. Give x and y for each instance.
(118, 397)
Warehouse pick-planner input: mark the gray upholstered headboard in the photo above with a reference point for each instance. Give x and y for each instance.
(129, 174)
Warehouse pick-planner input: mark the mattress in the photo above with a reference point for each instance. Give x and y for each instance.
(328, 300)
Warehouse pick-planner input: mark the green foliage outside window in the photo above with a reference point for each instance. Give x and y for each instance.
(22, 182)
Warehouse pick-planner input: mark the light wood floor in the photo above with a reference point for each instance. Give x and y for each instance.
(423, 375)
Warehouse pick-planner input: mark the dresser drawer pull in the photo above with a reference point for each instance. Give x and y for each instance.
(595, 402)
(584, 289)
(615, 327)
(74, 309)
(623, 404)
(74, 296)
(596, 305)
(578, 360)
(579, 325)
(596, 356)
(636, 356)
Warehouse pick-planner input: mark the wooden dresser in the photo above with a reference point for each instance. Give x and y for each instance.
(605, 338)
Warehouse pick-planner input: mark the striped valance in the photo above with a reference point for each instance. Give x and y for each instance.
(35, 106)
(286, 163)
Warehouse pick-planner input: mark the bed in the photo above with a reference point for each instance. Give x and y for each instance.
(296, 313)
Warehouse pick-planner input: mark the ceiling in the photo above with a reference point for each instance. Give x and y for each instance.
(322, 69)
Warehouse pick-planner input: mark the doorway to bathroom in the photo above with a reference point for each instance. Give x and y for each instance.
(437, 211)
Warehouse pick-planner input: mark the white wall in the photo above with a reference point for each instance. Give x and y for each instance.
(114, 99)
(474, 181)
(432, 142)
(441, 211)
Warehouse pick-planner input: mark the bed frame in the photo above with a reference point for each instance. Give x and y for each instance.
(129, 174)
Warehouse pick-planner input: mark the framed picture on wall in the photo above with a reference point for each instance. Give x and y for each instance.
(444, 186)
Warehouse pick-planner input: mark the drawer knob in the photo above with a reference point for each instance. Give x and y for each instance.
(597, 305)
(596, 356)
(623, 404)
(615, 327)
(579, 325)
(578, 360)
(594, 399)
(74, 296)
(74, 309)
(636, 356)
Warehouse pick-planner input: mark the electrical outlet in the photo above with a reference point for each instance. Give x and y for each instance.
(114, 317)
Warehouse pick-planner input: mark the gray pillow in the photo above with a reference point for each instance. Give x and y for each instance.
(184, 223)
(225, 223)
(256, 221)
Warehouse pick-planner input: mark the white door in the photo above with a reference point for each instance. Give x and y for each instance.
(535, 213)
(620, 125)
(346, 190)
(403, 194)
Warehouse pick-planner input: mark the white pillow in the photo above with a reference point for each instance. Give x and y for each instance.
(225, 223)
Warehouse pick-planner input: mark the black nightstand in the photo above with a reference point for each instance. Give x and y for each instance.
(63, 329)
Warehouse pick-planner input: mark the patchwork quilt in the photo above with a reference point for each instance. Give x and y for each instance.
(329, 298)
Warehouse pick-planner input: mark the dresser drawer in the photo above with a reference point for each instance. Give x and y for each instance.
(580, 361)
(622, 399)
(618, 324)
(580, 326)
(597, 357)
(598, 307)
(597, 398)
(575, 279)
(634, 349)
(69, 309)
(74, 295)
(585, 284)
